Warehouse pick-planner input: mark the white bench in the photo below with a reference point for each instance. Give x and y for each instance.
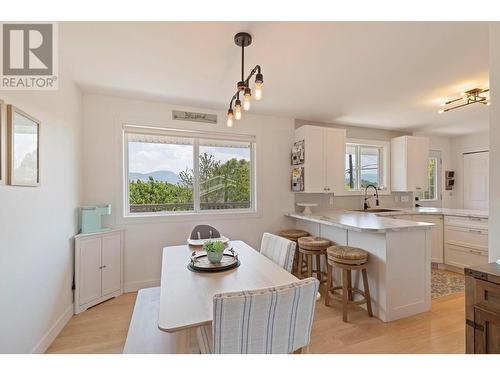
(144, 336)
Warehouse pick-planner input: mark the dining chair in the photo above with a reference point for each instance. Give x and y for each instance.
(201, 232)
(280, 250)
(275, 320)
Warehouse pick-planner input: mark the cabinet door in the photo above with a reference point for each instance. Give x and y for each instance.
(90, 270)
(334, 160)
(111, 261)
(437, 248)
(417, 149)
(487, 330)
(314, 166)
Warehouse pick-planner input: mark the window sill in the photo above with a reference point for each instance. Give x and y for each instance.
(139, 218)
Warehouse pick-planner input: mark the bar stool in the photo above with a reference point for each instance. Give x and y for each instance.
(294, 235)
(347, 259)
(309, 248)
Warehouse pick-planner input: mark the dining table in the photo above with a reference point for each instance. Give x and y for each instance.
(186, 296)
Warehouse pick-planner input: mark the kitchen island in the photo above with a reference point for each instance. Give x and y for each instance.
(399, 264)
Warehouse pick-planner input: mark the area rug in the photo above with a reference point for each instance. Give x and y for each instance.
(445, 283)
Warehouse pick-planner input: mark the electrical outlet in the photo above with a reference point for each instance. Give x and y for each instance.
(405, 198)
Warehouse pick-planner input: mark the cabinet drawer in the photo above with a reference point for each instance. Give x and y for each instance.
(460, 256)
(468, 237)
(467, 222)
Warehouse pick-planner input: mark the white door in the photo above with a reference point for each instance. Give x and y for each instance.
(417, 163)
(476, 180)
(90, 270)
(314, 179)
(111, 280)
(335, 160)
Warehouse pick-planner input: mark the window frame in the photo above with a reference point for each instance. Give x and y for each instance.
(384, 166)
(196, 136)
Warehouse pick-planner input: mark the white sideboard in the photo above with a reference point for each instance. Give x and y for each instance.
(98, 267)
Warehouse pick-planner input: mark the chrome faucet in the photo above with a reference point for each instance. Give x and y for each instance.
(366, 206)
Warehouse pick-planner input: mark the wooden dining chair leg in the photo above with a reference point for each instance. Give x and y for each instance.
(345, 294)
(367, 292)
(349, 285)
(309, 265)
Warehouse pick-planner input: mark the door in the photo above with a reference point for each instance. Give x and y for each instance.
(111, 272)
(487, 329)
(90, 270)
(432, 197)
(314, 173)
(334, 149)
(476, 180)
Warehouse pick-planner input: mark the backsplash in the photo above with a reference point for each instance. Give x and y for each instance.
(354, 202)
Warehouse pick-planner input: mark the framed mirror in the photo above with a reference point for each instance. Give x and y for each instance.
(23, 143)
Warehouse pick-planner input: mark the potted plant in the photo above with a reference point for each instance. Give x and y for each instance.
(215, 250)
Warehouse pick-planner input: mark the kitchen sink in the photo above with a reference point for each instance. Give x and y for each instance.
(377, 210)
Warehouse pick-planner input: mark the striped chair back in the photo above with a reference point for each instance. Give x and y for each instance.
(267, 321)
(280, 250)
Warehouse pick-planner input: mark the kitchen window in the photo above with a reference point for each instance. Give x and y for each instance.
(432, 193)
(175, 172)
(365, 164)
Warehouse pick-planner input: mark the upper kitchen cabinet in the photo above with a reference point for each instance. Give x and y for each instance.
(409, 163)
(324, 158)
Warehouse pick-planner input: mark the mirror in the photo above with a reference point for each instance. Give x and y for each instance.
(23, 133)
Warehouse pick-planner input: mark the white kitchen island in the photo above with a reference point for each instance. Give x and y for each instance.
(399, 264)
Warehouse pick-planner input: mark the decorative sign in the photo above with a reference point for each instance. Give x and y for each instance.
(194, 116)
(298, 153)
(298, 179)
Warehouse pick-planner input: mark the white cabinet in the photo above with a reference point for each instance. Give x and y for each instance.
(98, 268)
(466, 241)
(409, 163)
(324, 156)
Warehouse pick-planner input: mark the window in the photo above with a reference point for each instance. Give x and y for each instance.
(168, 174)
(431, 194)
(364, 165)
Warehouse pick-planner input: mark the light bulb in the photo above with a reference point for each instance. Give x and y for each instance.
(441, 111)
(258, 91)
(488, 103)
(237, 109)
(230, 118)
(247, 98)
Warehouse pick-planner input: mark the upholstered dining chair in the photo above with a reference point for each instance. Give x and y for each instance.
(280, 250)
(267, 321)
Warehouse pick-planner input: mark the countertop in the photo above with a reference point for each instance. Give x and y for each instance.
(436, 211)
(360, 221)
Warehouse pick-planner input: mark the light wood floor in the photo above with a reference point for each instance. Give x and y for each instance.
(103, 329)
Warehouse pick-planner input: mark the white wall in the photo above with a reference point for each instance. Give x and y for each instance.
(37, 226)
(494, 232)
(145, 238)
(459, 145)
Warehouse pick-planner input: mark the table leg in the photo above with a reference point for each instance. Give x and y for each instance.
(182, 341)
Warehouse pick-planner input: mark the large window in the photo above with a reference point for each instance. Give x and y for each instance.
(432, 193)
(169, 174)
(364, 165)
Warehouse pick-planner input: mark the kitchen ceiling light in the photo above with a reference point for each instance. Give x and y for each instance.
(244, 40)
(476, 95)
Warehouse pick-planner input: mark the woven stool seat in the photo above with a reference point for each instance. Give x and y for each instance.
(293, 234)
(313, 243)
(347, 255)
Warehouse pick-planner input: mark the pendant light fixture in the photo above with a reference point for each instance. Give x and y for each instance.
(243, 87)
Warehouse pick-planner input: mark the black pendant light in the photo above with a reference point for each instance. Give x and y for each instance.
(244, 40)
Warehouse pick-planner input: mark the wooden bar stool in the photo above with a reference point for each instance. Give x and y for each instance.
(347, 259)
(294, 235)
(310, 248)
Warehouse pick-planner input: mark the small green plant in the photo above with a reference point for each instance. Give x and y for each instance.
(214, 246)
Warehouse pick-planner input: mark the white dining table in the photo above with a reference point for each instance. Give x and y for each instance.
(186, 296)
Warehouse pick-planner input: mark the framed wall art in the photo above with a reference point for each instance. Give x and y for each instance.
(23, 148)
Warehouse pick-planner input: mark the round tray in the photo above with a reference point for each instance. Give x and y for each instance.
(202, 242)
(200, 263)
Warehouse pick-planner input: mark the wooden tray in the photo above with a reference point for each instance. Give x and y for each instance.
(200, 263)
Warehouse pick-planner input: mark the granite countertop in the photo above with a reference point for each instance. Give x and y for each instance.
(436, 211)
(360, 221)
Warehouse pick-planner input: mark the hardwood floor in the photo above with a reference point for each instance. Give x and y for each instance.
(103, 329)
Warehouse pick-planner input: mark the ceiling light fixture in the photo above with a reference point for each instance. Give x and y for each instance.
(476, 95)
(244, 40)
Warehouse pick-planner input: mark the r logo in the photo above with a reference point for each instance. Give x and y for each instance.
(27, 49)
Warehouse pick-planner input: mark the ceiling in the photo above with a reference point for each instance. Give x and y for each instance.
(374, 74)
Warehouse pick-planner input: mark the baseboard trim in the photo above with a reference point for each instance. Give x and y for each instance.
(136, 285)
(53, 331)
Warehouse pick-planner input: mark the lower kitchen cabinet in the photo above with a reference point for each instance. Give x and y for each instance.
(482, 309)
(98, 268)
